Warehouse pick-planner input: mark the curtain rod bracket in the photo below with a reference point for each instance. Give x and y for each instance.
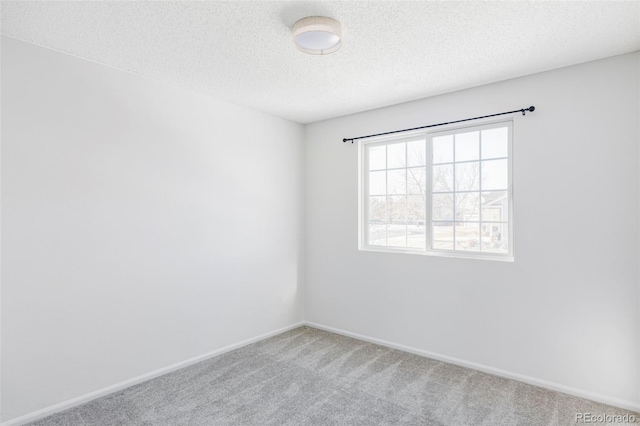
(531, 108)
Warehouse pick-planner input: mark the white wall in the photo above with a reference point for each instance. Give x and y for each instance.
(566, 311)
(142, 225)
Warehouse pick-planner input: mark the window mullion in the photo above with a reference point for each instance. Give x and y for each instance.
(406, 194)
(455, 196)
(386, 195)
(480, 189)
(428, 196)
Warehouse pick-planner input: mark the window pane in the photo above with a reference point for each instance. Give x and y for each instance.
(467, 236)
(397, 209)
(442, 236)
(495, 174)
(396, 155)
(377, 235)
(443, 149)
(377, 157)
(417, 180)
(494, 237)
(442, 207)
(397, 235)
(377, 209)
(495, 142)
(467, 146)
(396, 182)
(468, 206)
(442, 178)
(377, 183)
(416, 209)
(495, 206)
(467, 176)
(416, 236)
(416, 153)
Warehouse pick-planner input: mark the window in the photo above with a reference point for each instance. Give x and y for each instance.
(444, 193)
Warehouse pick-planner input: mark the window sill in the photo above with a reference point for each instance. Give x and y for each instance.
(456, 255)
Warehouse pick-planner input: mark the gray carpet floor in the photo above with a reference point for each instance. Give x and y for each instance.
(312, 377)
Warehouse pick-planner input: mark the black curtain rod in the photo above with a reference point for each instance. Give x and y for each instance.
(523, 111)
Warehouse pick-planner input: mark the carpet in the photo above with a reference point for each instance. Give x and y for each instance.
(312, 377)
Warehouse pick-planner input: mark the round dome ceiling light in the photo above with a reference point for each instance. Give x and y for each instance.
(317, 35)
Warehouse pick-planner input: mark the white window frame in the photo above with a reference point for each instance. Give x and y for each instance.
(363, 191)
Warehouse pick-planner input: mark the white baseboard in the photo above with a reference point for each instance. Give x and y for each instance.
(627, 405)
(36, 415)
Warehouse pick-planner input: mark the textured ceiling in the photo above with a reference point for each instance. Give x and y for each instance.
(393, 51)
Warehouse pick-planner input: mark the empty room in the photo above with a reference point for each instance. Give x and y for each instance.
(320, 213)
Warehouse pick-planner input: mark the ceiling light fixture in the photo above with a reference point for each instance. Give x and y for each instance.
(317, 35)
